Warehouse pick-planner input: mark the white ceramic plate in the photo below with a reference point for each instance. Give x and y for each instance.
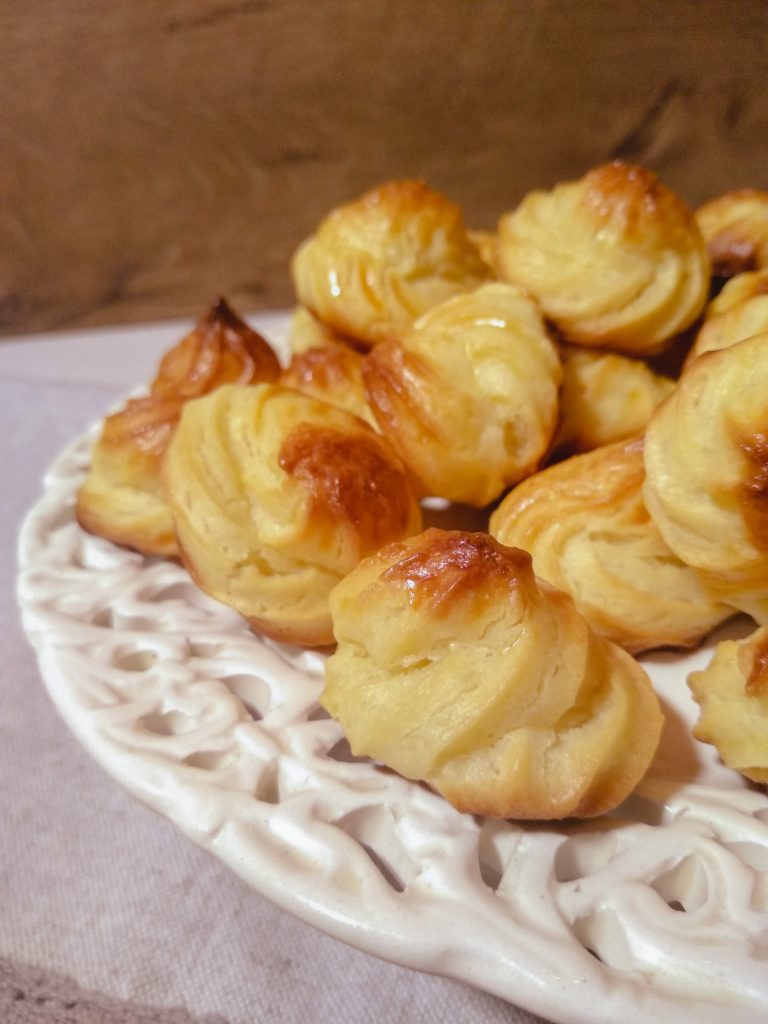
(658, 912)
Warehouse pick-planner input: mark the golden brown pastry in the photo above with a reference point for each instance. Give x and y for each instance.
(376, 264)
(584, 523)
(615, 259)
(222, 349)
(487, 243)
(469, 396)
(332, 372)
(122, 498)
(732, 694)
(706, 463)
(738, 312)
(604, 398)
(275, 497)
(457, 667)
(306, 332)
(735, 228)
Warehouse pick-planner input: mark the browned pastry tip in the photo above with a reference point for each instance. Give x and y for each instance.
(350, 479)
(615, 259)
(453, 566)
(221, 349)
(122, 498)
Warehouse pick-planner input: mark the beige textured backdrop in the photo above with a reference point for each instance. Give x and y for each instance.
(155, 154)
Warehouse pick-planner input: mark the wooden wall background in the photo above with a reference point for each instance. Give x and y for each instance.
(154, 154)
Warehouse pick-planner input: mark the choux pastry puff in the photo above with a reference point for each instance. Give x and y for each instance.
(276, 496)
(456, 666)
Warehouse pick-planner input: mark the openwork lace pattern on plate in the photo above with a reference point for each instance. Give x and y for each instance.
(657, 912)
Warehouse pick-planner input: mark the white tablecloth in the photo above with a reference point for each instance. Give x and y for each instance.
(107, 913)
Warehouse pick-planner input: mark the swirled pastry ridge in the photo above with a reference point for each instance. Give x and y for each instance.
(732, 694)
(456, 666)
(615, 259)
(739, 311)
(325, 367)
(605, 397)
(275, 497)
(122, 498)
(706, 464)
(374, 265)
(468, 397)
(588, 531)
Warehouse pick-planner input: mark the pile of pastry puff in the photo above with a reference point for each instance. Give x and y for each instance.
(516, 374)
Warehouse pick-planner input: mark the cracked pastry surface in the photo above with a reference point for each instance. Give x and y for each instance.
(275, 497)
(615, 259)
(589, 533)
(468, 397)
(374, 265)
(732, 694)
(706, 464)
(122, 499)
(456, 666)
